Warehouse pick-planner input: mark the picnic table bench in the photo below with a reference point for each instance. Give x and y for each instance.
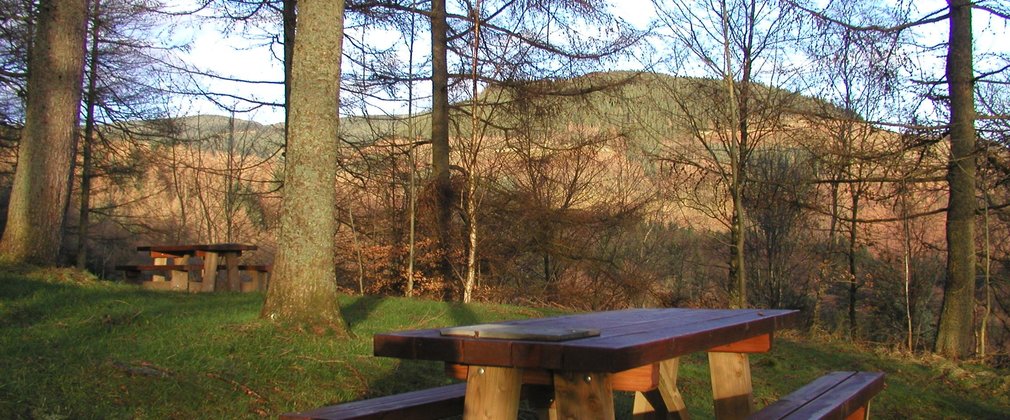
(211, 259)
(569, 366)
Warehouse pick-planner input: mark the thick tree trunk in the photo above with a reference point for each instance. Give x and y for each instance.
(440, 133)
(954, 335)
(303, 291)
(39, 194)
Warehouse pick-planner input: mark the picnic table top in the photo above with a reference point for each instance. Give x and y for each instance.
(222, 247)
(626, 339)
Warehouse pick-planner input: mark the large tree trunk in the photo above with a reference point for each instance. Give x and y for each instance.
(303, 291)
(440, 133)
(39, 195)
(954, 336)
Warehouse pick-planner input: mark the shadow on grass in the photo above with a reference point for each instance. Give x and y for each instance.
(359, 310)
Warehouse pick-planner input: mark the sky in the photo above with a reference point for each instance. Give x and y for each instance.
(235, 56)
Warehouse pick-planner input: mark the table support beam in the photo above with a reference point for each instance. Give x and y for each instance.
(159, 261)
(180, 279)
(492, 393)
(231, 272)
(209, 271)
(664, 402)
(731, 385)
(584, 395)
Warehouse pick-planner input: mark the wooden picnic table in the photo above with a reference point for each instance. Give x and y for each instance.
(211, 254)
(579, 360)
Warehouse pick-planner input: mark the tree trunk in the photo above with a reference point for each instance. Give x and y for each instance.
(856, 191)
(288, 17)
(440, 134)
(84, 217)
(738, 126)
(303, 291)
(39, 194)
(954, 335)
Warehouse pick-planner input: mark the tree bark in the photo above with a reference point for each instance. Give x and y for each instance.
(39, 194)
(954, 335)
(303, 291)
(289, 22)
(84, 217)
(440, 134)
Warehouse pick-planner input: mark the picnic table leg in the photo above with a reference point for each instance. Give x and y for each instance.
(180, 279)
(731, 384)
(159, 261)
(664, 402)
(209, 271)
(584, 395)
(231, 265)
(492, 393)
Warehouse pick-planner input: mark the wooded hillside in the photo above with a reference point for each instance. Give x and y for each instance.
(608, 198)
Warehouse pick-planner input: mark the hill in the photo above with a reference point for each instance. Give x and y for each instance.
(641, 106)
(73, 346)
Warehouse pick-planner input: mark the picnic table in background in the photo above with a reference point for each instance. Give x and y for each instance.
(176, 259)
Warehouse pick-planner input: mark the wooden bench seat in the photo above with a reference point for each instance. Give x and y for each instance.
(180, 281)
(188, 267)
(837, 395)
(155, 267)
(433, 403)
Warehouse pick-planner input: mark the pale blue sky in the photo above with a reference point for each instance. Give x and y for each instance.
(236, 57)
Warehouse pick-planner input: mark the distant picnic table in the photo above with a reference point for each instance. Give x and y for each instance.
(206, 259)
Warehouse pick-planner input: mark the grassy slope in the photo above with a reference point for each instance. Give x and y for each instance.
(72, 347)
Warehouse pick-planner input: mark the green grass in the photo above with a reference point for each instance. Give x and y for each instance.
(75, 347)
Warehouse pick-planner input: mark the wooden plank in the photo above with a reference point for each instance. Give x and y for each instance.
(666, 401)
(253, 285)
(757, 344)
(180, 278)
(638, 379)
(231, 271)
(492, 393)
(627, 339)
(843, 399)
(802, 396)
(731, 385)
(621, 346)
(189, 249)
(159, 261)
(621, 352)
(156, 285)
(167, 267)
(156, 255)
(520, 332)
(584, 395)
(861, 413)
(209, 271)
(434, 403)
